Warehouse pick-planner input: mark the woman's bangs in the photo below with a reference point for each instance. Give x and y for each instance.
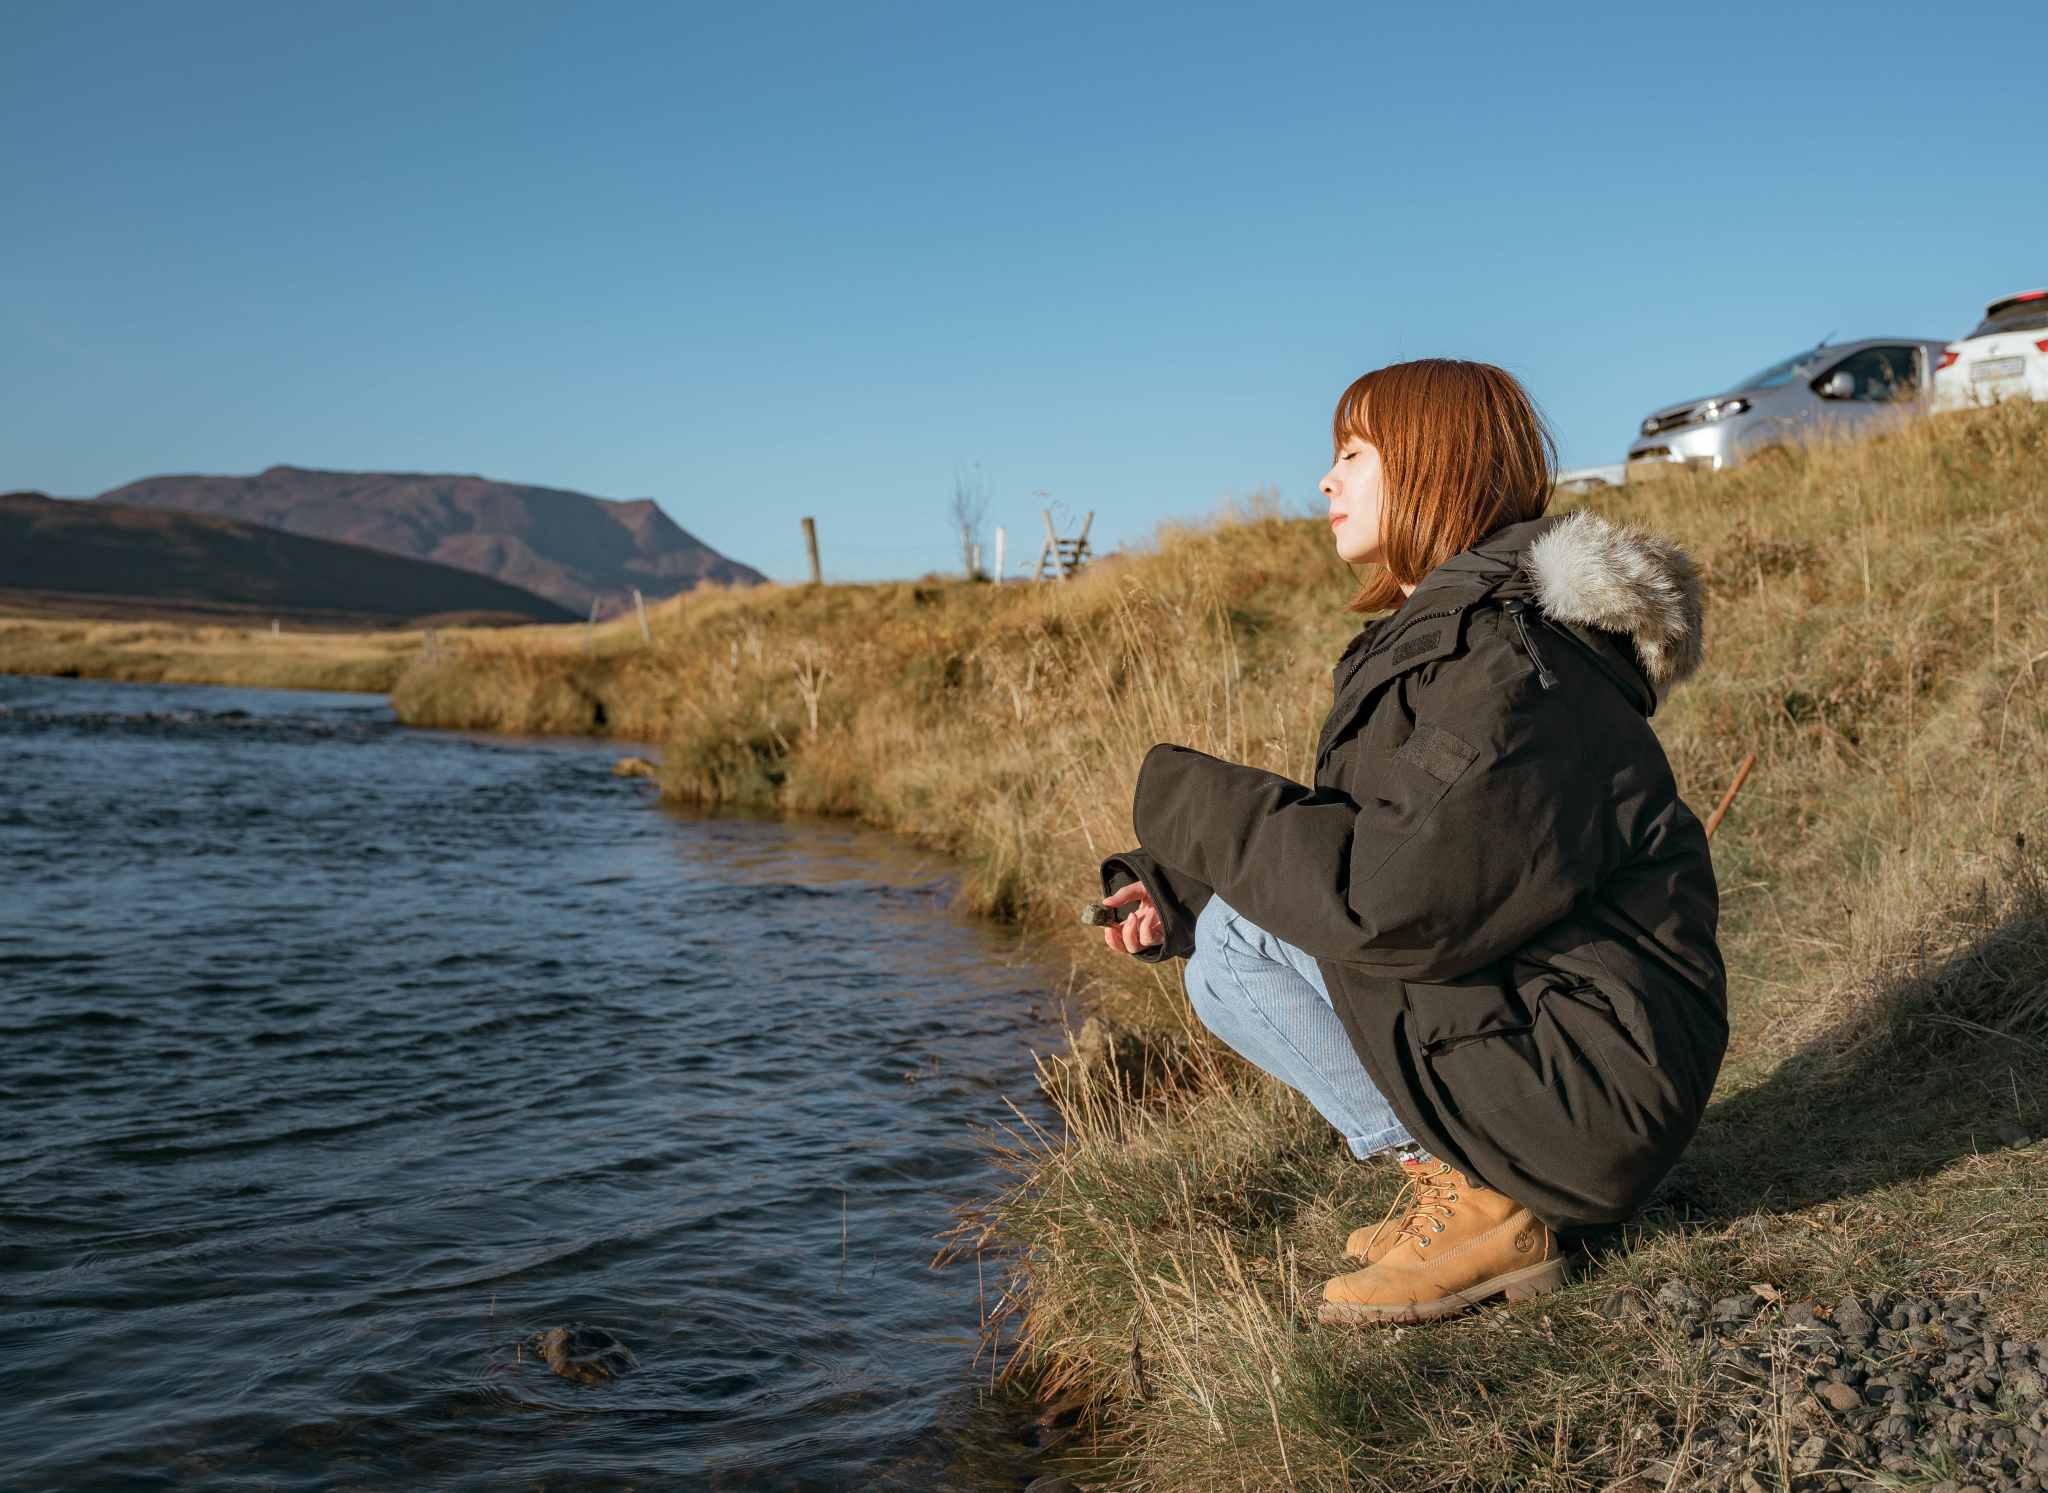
(1350, 422)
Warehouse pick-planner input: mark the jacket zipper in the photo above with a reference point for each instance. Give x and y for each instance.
(1519, 611)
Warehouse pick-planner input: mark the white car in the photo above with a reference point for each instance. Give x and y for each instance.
(2005, 358)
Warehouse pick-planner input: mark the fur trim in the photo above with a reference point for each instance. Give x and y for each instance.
(1618, 579)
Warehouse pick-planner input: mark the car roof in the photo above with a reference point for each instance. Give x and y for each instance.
(1849, 342)
(1993, 307)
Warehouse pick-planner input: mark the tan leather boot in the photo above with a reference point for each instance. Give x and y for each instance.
(1459, 1244)
(1369, 1244)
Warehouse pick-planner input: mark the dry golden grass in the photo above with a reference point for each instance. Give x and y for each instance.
(1877, 637)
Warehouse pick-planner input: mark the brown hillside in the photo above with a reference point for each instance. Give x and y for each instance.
(566, 546)
(105, 560)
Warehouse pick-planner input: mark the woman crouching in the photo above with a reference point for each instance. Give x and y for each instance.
(1482, 944)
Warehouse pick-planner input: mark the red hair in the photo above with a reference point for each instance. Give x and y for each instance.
(1463, 452)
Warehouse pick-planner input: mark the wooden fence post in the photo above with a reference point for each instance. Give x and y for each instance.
(641, 607)
(811, 545)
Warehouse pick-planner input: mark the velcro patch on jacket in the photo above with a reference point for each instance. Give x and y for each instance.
(1414, 646)
(1438, 753)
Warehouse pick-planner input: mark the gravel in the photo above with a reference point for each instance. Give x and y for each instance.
(1905, 1389)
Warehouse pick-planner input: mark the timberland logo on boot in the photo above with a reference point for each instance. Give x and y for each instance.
(1525, 1241)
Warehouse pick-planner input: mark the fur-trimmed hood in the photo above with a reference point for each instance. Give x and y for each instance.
(1619, 579)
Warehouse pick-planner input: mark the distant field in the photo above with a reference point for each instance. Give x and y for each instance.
(34, 639)
(88, 606)
(187, 653)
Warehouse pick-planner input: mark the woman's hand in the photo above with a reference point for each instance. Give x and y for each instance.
(1141, 928)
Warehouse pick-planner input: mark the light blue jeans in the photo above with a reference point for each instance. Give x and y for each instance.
(1266, 1000)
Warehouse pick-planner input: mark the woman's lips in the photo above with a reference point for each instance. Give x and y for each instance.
(1338, 518)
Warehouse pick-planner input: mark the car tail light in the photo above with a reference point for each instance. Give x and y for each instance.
(2042, 345)
(1946, 359)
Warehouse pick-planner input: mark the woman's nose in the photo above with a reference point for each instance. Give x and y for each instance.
(1329, 487)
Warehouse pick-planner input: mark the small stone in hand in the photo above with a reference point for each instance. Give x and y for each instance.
(1095, 915)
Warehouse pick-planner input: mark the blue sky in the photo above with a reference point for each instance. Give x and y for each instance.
(759, 262)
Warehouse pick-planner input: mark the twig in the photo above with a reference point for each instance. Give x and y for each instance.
(1741, 774)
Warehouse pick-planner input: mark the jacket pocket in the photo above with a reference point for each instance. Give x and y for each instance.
(1478, 1041)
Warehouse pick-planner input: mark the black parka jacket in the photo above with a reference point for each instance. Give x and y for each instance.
(1513, 909)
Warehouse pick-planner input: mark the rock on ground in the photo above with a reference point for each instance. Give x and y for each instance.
(1913, 1390)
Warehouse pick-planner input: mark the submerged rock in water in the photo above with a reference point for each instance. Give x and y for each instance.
(587, 1355)
(635, 767)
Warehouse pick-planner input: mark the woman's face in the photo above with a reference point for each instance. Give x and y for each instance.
(1356, 492)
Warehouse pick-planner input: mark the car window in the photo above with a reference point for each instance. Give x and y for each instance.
(1882, 374)
(2014, 316)
(1779, 374)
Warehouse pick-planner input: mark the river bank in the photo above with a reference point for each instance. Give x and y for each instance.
(1876, 638)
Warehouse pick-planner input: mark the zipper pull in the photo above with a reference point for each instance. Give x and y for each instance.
(1519, 611)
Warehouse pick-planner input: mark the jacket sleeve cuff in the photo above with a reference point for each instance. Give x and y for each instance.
(1178, 897)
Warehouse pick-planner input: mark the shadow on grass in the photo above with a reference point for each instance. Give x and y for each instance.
(1933, 1057)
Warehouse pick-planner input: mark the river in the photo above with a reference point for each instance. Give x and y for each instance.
(338, 1060)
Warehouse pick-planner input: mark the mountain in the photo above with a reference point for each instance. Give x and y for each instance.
(566, 546)
(109, 560)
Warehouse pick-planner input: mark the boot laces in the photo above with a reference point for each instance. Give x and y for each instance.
(1411, 1173)
(1435, 1192)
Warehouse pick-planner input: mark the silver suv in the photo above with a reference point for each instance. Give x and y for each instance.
(1844, 392)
